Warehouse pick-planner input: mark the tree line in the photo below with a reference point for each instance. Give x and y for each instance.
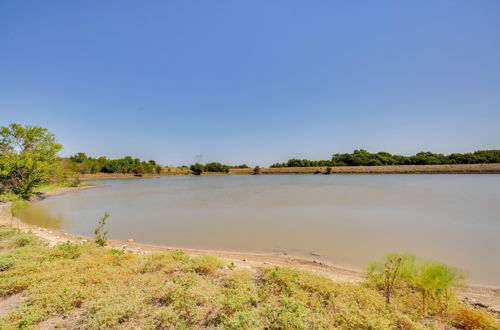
(213, 167)
(364, 158)
(29, 157)
(81, 163)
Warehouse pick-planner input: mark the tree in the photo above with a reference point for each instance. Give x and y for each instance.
(26, 154)
(197, 168)
(256, 169)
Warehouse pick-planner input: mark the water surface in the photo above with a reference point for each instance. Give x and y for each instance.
(348, 219)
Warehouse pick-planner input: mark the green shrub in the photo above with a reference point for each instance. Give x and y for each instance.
(25, 240)
(8, 197)
(465, 317)
(6, 262)
(206, 264)
(431, 278)
(67, 250)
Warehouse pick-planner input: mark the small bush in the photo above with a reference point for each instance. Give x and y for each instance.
(431, 278)
(25, 240)
(472, 318)
(328, 170)
(101, 235)
(6, 262)
(75, 183)
(8, 197)
(165, 262)
(206, 264)
(67, 250)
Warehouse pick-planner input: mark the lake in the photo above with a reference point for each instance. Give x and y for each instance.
(349, 220)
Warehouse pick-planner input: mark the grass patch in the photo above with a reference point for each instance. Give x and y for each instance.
(108, 288)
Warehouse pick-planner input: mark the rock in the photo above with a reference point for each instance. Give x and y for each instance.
(474, 302)
(123, 247)
(494, 309)
(244, 260)
(316, 254)
(130, 240)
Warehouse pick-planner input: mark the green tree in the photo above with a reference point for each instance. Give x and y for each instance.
(197, 168)
(26, 154)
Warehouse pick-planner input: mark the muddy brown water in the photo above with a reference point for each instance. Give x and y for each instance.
(348, 220)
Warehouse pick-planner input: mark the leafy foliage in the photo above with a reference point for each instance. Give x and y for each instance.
(81, 163)
(213, 167)
(26, 155)
(432, 279)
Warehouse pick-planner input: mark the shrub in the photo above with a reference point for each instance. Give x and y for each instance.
(75, 183)
(256, 169)
(472, 318)
(6, 262)
(25, 240)
(101, 235)
(431, 278)
(328, 170)
(197, 169)
(206, 264)
(8, 197)
(67, 250)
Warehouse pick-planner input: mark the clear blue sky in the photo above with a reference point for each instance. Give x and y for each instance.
(253, 82)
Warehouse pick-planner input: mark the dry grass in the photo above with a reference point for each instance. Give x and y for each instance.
(83, 286)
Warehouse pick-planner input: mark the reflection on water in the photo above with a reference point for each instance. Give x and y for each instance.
(348, 219)
(41, 215)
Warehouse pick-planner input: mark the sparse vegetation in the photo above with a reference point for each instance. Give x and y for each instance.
(87, 287)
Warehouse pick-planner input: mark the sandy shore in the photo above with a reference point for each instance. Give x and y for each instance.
(488, 297)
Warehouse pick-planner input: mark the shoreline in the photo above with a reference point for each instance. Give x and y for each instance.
(385, 169)
(476, 294)
(336, 170)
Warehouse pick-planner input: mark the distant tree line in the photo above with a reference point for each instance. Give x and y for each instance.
(213, 167)
(364, 158)
(81, 163)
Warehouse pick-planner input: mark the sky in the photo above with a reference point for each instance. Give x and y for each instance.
(253, 82)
